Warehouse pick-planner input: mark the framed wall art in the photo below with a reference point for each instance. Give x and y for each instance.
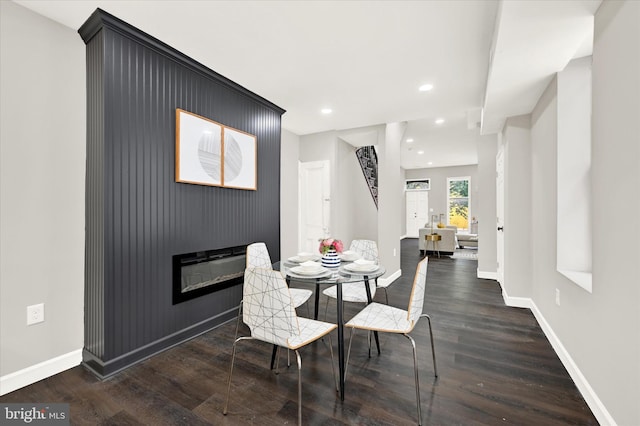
(239, 169)
(209, 153)
(198, 149)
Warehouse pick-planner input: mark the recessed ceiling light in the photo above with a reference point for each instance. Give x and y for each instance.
(429, 163)
(439, 120)
(425, 87)
(420, 152)
(409, 140)
(326, 110)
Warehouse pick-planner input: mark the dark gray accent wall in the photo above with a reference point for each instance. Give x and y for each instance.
(138, 217)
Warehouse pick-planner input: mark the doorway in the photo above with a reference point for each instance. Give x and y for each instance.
(417, 203)
(500, 215)
(315, 204)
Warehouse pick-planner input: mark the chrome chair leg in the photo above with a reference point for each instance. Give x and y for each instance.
(233, 356)
(352, 331)
(333, 368)
(299, 388)
(239, 319)
(326, 308)
(277, 360)
(277, 371)
(415, 368)
(433, 350)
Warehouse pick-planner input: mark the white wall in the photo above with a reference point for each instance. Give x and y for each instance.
(595, 334)
(517, 215)
(358, 210)
(42, 174)
(390, 207)
(615, 301)
(289, 154)
(485, 206)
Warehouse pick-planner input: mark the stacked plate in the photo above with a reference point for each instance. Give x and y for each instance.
(304, 257)
(308, 268)
(362, 265)
(349, 256)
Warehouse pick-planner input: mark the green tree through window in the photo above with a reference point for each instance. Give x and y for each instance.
(458, 202)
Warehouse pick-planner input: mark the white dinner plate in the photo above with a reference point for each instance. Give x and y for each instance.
(298, 259)
(353, 267)
(349, 257)
(319, 271)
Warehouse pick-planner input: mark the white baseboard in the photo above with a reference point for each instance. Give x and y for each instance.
(597, 407)
(595, 404)
(35, 373)
(517, 302)
(384, 282)
(485, 275)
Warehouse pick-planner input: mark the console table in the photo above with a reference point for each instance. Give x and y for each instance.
(434, 238)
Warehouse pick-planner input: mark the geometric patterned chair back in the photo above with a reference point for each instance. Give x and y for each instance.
(416, 300)
(267, 306)
(258, 256)
(366, 248)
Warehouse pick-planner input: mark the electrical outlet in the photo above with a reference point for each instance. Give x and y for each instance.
(35, 314)
(557, 297)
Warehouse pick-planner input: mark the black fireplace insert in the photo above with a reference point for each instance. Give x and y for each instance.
(199, 273)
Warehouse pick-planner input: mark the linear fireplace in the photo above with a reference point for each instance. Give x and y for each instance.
(203, 272)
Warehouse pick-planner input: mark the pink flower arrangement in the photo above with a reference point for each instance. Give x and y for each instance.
(330, 243)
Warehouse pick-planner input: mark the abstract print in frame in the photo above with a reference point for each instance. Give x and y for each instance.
(198, 149)
(239, 169)
(209, 153)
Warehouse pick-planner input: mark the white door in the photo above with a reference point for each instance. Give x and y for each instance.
(417, 211)
(500, 214)
(315, 204)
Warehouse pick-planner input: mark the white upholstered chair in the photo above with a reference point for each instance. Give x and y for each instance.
(258, 257)
(388, 319)
(356, 292)
(271, 317)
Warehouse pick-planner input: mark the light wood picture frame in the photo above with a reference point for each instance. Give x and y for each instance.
(240, 155)
(198, 149)
(209, 153)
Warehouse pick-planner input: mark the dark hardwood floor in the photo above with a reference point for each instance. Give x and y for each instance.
(495, 367)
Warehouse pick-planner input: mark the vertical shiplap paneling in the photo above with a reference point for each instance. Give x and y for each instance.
(147, 216)
(94, 188)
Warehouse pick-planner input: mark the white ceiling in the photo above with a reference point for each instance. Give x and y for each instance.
(366, 59)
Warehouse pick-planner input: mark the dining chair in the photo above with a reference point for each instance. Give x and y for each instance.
(355, 292)
(271, 317)
(258, 257)
(388, 319)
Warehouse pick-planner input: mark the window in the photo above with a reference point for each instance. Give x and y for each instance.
(458, 201)
(417, 184)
